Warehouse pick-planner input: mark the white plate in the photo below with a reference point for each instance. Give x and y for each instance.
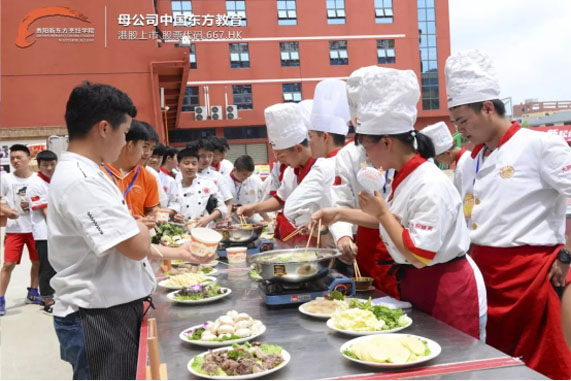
(363, 333)
(434, 347)
(211, 273)
(302, 309)
(285, 354)
(171, 297)
(213, 344)
(210, 280)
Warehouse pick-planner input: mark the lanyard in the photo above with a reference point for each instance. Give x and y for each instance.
(130, 184)
(385, 185)
(238, 190)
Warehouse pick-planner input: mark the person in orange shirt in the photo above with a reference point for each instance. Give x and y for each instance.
(139, 186)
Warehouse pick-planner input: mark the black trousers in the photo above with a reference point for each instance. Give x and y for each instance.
(112, 340)
(46, 269)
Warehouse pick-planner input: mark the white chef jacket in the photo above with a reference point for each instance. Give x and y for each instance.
(163, 197)
(87, 218)
(13, 189)
(246, 192)
(169, 185)
(521, 191)
(274, 180)
(346, 187)
(305, 198)
(224, 167)
(430, 210)
(38, 198)
(191, 201)
(214, 176)
(464, 174)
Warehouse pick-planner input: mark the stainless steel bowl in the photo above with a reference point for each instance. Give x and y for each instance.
(238, 233)
(290, 266)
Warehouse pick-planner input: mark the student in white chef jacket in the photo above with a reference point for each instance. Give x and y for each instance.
(219, 161)
(522, 182)
(199, 199)
(205, 151)
(449, 154)
(97, 248)
(301, 191)
(246, 187)
(421, 222)
(166, 174)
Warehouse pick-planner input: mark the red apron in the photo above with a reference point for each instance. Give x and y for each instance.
(284, 228)
(371, 251)
(446, 291)
(524, 311)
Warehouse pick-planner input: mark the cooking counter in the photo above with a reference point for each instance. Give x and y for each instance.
(314, 347)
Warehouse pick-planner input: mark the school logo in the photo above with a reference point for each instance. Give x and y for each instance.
(507, 172)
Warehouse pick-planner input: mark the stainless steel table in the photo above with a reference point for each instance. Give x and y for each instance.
(314, 347)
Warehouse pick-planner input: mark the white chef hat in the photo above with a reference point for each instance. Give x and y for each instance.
(330, 108)
(285, 125)
(440, 136)
(470, 78)
(384, 100)
(305, 107)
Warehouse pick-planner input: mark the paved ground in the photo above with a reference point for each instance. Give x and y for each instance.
(29, 347)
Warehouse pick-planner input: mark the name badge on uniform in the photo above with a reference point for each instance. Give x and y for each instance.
(507, 172)
(468, 205)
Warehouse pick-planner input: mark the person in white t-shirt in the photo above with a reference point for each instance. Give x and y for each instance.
(246, 187)
(13, 190)
(38, 198)
(97, 248)
(167, 174)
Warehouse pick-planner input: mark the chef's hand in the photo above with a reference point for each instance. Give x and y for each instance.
(327, 216)
(202, 222)
(348, 250)
(246, 210)
(558, 273)
(148, 221)
(10, 213)
(373, 205)
(187, 256)
(179, 218)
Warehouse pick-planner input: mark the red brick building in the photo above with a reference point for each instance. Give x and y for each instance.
(248, 53)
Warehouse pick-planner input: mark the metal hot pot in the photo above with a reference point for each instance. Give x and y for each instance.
(239, 233)
(293, 265)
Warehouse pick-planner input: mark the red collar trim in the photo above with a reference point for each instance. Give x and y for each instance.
(234, 178)
(515, 127)
(217, 167)
(46, 179)
(333, 153)
(349, 141)
(458, 156)
(406, 170)
(302, 172)
(283, 167)
(166, 172)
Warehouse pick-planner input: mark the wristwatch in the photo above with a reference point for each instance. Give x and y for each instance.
(564, 256)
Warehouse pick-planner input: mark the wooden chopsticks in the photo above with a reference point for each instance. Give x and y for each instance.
(292, 234)
(309, 239)
(356, 269)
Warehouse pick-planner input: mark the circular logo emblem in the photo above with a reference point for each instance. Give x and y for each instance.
(507, 172)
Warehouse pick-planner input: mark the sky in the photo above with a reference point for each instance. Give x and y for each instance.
(529, 41)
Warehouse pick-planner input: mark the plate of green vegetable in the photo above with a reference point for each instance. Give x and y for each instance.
(199, 294)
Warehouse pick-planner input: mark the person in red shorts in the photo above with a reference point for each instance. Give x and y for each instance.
(19, 227)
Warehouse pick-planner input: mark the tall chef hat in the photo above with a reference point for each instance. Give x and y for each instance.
(330, 108)
(470, 77)
(305, 108)
(383, 100)
(440, 136)
(285, 125)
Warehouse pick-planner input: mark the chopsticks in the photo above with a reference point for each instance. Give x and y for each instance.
(294, 233)
(243, 220)
(356, 269)
(318, 236)
(309, 239)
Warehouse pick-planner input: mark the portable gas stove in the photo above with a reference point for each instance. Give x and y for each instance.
(276, 293)
(254, 246)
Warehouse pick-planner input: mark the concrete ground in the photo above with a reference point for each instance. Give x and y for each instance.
(29, 348)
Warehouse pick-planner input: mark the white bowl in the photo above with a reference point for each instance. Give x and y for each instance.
(204, 241)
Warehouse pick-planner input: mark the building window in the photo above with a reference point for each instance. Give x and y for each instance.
(241, 133)
(192, 56)
(242, 97)
(190, 100)
(289, 53)
(428, 55)
(287, 13)
(185, 135)
(335, 11)
(292, 92)
(239, 55)
(181, 8)
(257, 151)
(237, 7)
(386, 52)
(338, 53)
(384, 11)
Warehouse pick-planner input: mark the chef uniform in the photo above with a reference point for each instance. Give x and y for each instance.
(301, 189)
(191, 201)
(169, 184)
(224, 167)
(442, 140)
(246, 192)
(425, 202)
(219, 180)
(163, 197)
(518, 225)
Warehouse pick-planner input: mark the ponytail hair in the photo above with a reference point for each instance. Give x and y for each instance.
(417, 140)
